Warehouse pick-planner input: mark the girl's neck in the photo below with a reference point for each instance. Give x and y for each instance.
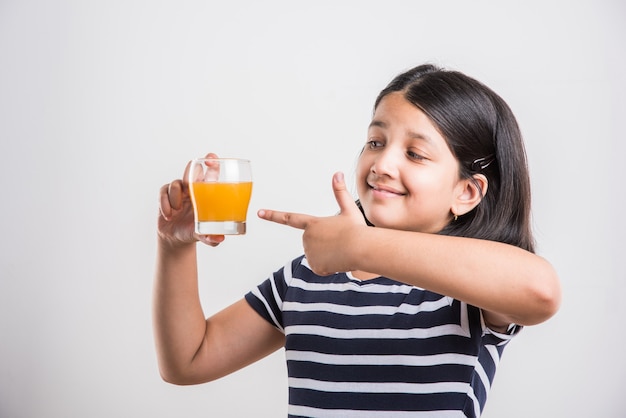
(363, 275)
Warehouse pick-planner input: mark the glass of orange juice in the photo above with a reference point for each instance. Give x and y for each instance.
(220, 193)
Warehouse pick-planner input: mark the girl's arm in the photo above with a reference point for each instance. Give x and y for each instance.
(191, 348)
(509, 284)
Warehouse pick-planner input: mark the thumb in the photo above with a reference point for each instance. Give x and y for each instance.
(343, 197)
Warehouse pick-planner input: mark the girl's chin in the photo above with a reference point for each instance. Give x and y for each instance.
(385, 222)
(381, 221)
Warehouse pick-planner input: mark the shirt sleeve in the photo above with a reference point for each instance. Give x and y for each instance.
(267, 298)
(499, 338)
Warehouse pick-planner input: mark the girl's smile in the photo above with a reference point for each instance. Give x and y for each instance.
(382, 191)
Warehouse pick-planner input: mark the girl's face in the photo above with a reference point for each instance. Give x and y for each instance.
(407, 177)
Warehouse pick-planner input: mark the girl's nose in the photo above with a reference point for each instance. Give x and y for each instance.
(386, 163)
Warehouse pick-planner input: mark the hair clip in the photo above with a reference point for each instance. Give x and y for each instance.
(482, 163)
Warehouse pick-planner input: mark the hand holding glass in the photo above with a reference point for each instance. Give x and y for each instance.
(220, 194)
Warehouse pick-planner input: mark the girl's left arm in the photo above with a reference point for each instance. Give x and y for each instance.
(509, 284)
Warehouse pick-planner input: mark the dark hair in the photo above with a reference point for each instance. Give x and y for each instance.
(484, 136)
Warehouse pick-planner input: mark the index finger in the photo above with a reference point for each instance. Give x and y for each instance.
(295, 220)
(186, 173)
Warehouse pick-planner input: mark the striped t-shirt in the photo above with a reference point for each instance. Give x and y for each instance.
(378, 348)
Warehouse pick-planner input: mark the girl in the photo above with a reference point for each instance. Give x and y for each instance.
(402, 303)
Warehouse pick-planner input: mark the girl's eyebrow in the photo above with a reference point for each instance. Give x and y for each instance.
(378, 124)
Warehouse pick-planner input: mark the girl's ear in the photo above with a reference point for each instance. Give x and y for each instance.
(469, 194)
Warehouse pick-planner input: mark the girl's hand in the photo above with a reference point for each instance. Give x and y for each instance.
(176, 221)
(329, 241)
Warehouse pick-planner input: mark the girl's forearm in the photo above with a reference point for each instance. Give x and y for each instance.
(496, 277)
(179, 322)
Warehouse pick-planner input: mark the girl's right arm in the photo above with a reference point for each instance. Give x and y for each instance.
(191, 348)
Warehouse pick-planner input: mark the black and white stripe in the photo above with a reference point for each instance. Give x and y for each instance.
(378, 348)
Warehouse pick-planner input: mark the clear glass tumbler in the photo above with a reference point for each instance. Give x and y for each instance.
(220, 193)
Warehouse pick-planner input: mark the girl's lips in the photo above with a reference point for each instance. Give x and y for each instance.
(385, 190)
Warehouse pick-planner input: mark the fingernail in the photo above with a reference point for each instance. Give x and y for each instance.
(339, 177)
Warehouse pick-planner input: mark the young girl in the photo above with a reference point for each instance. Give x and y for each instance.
(403, 302)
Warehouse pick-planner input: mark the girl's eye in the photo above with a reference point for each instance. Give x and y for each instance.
(373, 144)
(415, 156)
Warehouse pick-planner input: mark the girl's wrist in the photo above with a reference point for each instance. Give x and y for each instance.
(169, 245)
(355, 250)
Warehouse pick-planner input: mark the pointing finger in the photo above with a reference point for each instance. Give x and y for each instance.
(295, 220)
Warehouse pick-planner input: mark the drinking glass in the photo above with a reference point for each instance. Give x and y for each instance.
(220, 193)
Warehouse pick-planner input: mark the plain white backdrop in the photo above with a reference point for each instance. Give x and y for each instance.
(102, 102)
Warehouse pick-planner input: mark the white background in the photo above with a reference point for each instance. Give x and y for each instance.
(102, 102)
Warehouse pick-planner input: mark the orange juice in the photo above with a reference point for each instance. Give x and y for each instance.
(218, 202)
